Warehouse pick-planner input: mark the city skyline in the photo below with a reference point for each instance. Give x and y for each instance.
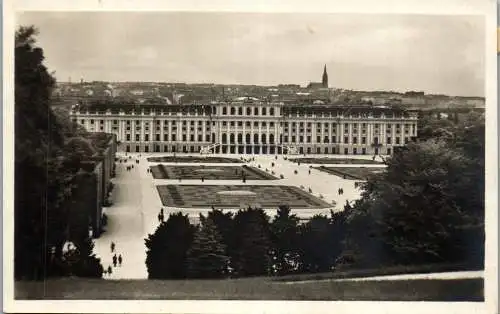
(431, 53)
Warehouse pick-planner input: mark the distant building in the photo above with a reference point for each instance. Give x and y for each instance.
(248, 125)
(324, 81)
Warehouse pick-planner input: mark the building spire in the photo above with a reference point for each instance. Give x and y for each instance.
(325, 78)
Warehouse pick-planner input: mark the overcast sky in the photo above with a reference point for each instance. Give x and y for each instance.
(436, 54)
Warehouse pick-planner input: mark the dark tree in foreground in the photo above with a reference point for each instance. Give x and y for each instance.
(207, 256)
(317, 245)
(425, 208)
(167, 248)
(284, 234)
(252, 243)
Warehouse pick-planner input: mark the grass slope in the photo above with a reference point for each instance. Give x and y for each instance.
(251, 289)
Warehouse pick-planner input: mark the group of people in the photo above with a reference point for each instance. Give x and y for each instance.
(117, 260)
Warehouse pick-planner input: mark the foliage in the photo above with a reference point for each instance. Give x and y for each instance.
(207, 256)
(428, 207)
(45, 168)
(284, 235)
(167, 248)
(252, 243)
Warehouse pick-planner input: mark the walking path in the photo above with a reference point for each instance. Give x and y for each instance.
(439, 276)
(136, 203)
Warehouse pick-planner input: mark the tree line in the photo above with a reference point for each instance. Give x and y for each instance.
(427, 208)
(244, 244)
(49, 151)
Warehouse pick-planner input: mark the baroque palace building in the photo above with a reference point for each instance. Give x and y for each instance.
(248, 125)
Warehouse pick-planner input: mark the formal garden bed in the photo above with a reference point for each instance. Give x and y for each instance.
(209, 172)
(338, 161)
(236, 196)
(194, 159)
(352, 173)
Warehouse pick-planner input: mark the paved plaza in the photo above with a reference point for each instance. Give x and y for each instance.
(136, 201)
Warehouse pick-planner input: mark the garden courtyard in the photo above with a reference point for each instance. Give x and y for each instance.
(139, 194)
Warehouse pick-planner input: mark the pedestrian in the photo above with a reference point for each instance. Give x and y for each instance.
(120, 260)
(104, 272)
(202, 179)
(114, 260)
(309, 171)
(112, 247)
(159, 217)
(162, 218)
(161, 210)
(110, 270)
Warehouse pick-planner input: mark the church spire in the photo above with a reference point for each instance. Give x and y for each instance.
(325, 78)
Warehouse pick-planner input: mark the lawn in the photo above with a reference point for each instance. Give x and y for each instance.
(338, 161)
(237, 196)
(251, 289)
(210, 172)
(194, 159)
(355, 173)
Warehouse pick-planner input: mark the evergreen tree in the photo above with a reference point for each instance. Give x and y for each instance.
(284, 230)
(317, 245)
(207, 256)
(252, 245)
(167, 248)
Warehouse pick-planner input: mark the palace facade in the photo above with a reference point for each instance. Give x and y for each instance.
(248, 125)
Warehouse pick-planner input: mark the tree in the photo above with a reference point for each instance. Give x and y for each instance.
(252, 243)
(284, 235)
(40, 180)
(418, 210)
(316, 244)
(207, 256)
(224, 224)
(166, 255)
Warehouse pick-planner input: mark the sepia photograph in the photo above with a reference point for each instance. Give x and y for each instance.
(250, 156)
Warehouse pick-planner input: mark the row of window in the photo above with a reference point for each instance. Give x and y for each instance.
(256, 123)
(233, 111)
(261, 139)
(257, 150)
(262, 124)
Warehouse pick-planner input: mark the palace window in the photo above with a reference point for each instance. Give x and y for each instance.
(224, 111)
(247, 123)
(271, 111)
(309, 139)
(249, 111)
(157, 137)
(389, 140)
(128, 137)
(256, 111)
(355, 140)
(174, 138)
(318, 139)
(334, 139)
(264, 111)
(325, 139)
(137, 138)
(91, 121)
(240, 111)
(397, 141)
(233, 111)
(301, 139)
(165, 137)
